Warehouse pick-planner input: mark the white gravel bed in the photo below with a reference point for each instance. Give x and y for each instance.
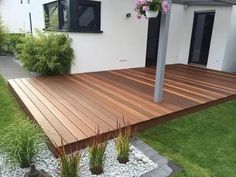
(139, 164)
(44, 160)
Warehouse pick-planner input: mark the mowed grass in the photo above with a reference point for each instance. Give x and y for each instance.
(202, 143)
(10, 110)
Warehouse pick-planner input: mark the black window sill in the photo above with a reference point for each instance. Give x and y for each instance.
(73, 31)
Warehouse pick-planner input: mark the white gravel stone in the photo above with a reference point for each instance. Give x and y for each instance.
(145, 160)
(138, 164)
(139, 156)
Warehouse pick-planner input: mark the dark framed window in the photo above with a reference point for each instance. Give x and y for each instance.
(51, 15)
(73, 15)
(89, 16)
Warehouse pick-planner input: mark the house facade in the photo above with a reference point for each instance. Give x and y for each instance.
(107, 35)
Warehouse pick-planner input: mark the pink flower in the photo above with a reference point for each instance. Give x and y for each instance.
(140, 2)
(139, 16)
(165, 6)
(145, 8)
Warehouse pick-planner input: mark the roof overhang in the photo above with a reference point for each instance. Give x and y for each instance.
(206, 2)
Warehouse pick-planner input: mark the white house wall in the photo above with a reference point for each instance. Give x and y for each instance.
(14, 15)
(176, 32)
(123, 41)
(37, 13)
(121, 45)
(229, 63)
(181, 32)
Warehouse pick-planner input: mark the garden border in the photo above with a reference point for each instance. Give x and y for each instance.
(166, 168)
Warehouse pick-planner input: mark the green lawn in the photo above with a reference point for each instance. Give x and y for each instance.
(9, 109)
(203, 143)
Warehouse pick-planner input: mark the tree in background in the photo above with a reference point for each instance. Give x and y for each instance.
(3, 35)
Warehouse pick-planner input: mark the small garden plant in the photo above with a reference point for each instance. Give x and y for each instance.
(97, 155)
(122, 143)
(47, 53)
(69, 163)
(21, 142)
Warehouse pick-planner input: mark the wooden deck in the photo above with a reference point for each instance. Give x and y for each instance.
(72, 106)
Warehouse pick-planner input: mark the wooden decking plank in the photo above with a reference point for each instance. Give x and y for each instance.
(48, 128)
(145, 92)
(81, 130)
(72, 88)
(215, 72)
(184, 87)
(73, 106)
(90, 118)
(56, 109)
(171, 85)
(99, 109)
(206, 94)
(202, 80)
(131, 85)
(119, 92)
(205, 86)
(110, 106)
(48, 114)
(169, 88)
(119, 99)
(125, 96)
(133, 111)
(174, 81)
(217, 79)
(142, 95)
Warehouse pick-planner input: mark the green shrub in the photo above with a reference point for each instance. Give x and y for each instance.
(13, 40)
(47, 54)
(3, 36)
(122, 143)
(69, 163)
(21, 142)
(97, 155)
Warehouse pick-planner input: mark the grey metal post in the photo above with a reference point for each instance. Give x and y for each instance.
(31, 26)
(161, 56)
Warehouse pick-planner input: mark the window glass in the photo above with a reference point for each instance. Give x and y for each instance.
(73, 15)
(87, 17)
(51, 15)
(65, 16)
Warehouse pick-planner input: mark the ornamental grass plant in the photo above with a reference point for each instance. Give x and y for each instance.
(122, 143)
(69, 163)
(21, 142)
(96, 152)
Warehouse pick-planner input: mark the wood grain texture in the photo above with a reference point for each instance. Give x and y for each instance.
(72, 107)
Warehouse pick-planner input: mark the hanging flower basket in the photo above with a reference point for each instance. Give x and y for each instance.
(151, 14)
(151, 8)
